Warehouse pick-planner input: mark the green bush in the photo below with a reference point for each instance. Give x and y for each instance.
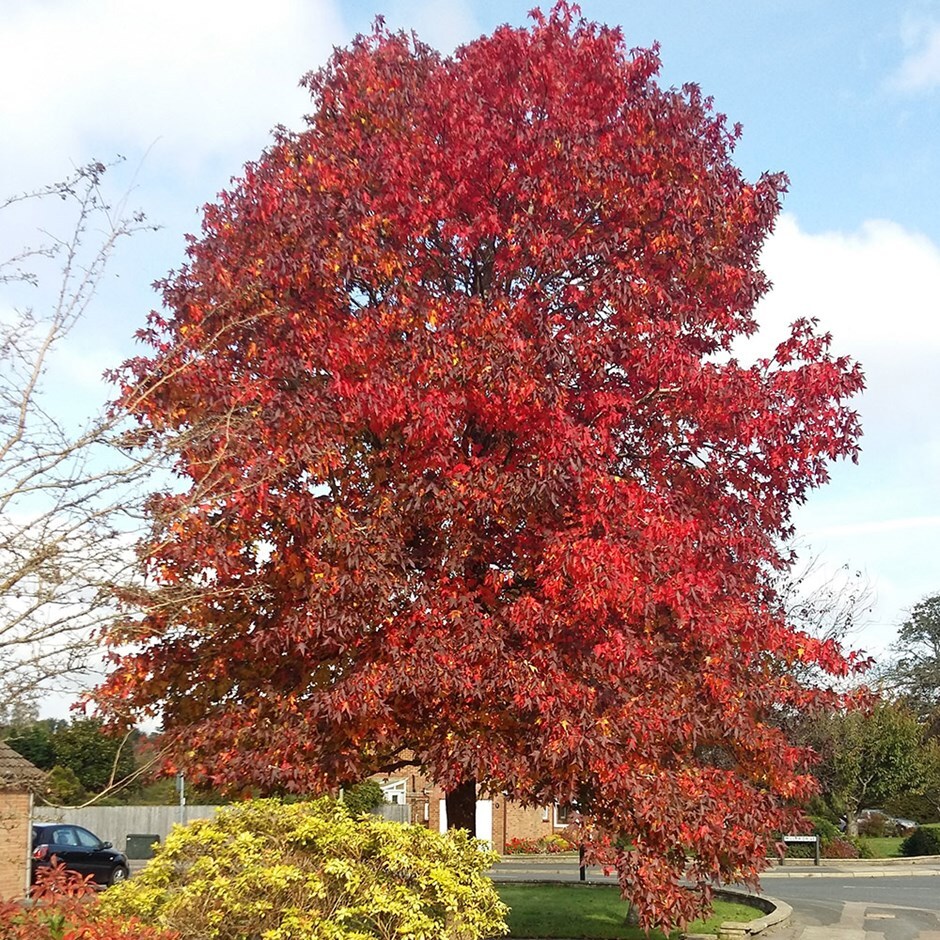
(825, 829)
(363, 797)
(865, 849)
(801, 850)
(63, 786)
(921, 841)
(309, 871)
(876, 826)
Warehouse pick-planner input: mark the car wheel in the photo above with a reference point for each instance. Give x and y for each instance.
(118, 875)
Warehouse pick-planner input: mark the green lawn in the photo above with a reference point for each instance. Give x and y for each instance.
(884, 847)
(566, 910)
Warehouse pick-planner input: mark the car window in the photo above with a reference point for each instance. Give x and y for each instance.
(64, 835)
(86, 839)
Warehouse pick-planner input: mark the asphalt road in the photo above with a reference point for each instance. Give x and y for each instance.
(886, 904)
(897, 908)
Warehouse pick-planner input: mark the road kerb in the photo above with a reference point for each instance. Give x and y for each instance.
(859, 873)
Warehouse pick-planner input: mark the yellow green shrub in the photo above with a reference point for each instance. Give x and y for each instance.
(264, 870)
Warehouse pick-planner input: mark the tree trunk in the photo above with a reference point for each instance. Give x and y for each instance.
(851, 819)
(462, 806)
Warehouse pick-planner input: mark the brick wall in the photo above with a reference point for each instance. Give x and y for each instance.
(528, 822)
(417, 793)
(510, 820)
(434, 809)
(14, 843)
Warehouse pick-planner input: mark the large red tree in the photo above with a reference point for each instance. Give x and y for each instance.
(469, 467)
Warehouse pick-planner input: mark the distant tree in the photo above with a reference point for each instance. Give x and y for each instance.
(80, 755)
(867, 757)
(915, 673)
(97, 758)
(828, 606)
(929, 789)
(923, 803)
(470, 471)
(36, 741)
(63, 787)
(18, 713)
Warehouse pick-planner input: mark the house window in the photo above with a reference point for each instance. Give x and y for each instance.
(544, 814)
(394, 791)
(562, 815)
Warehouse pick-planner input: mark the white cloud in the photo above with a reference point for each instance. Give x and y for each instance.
(920, 69)
(198, 76)
(876, 527)
(876, 290)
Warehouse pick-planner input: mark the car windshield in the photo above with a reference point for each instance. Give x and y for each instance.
(87, 839)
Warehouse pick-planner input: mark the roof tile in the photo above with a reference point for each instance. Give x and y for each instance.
(16, 771)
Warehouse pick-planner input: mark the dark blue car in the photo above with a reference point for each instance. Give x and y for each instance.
(79, 850)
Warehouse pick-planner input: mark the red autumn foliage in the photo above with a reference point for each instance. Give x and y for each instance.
(840, 848)
(62, 907)
(469, 466)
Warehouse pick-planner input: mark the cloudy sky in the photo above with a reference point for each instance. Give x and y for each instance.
(843, 96)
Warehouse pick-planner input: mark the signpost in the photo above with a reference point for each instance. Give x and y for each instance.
(803, 840)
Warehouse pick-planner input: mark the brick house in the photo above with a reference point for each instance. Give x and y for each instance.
(18, 779)
(497, 819)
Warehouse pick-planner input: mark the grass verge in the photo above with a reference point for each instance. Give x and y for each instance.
(590, 911)
(882, 847)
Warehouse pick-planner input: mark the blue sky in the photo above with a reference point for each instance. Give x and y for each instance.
(844, 97)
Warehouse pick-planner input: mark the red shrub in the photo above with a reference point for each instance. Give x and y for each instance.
(545, 845)
(62, 907)
(519, 846)
(840, 848)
